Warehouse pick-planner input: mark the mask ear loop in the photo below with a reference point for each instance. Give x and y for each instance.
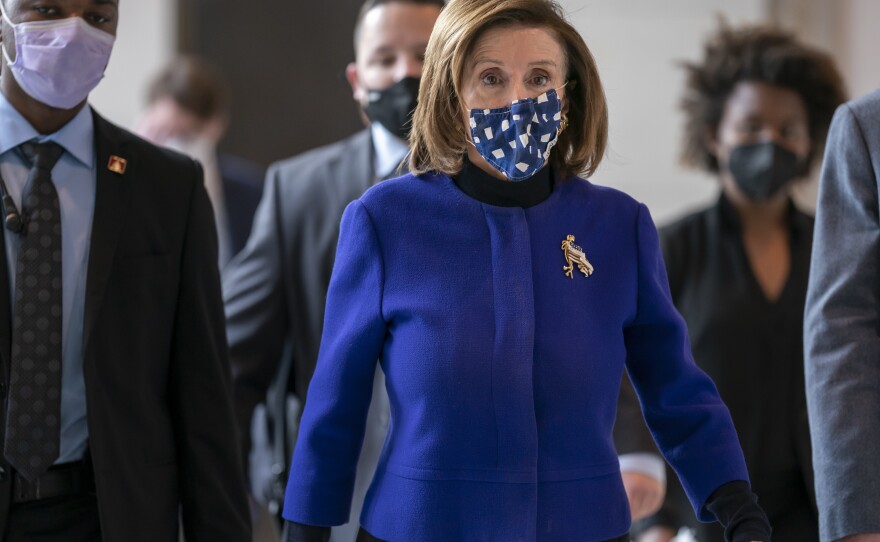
(563, 123)
(9, 61)
(11, 25)
(5, 16)
(467, 133)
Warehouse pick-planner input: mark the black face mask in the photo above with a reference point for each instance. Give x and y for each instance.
(393, 107)
(762, 169)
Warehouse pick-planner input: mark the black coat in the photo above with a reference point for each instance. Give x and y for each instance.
(161, 426)
(753, 349)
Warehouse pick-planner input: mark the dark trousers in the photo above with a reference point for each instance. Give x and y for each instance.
(72, 518)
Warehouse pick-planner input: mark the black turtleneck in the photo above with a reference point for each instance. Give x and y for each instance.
(485, 188)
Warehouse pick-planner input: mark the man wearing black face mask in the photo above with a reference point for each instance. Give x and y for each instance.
(275, 289)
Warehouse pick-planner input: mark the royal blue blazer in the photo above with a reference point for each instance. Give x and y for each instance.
(503, 373)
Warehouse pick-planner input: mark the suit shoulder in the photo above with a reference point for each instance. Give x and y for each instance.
(166, 171)
(613, 201)
(148, 154)
(165, 159)
(163, 172)
(313, 167)
(856, 127)
(404, 190)
(865, 107)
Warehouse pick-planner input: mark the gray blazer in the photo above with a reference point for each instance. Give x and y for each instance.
(274, 290)
(842, 326)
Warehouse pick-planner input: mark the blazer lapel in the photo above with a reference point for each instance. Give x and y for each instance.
(112, 198)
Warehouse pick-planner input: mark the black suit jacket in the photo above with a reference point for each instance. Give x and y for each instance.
(161, 429)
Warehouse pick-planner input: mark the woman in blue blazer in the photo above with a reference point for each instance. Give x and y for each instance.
(503, 297)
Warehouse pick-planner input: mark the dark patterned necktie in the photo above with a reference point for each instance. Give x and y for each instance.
(33, 414)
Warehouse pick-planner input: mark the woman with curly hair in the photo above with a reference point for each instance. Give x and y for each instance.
(757, 111)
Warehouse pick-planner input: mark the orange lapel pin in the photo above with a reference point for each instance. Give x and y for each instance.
(117, 164)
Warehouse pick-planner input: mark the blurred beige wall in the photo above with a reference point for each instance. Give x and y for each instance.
(146, 41)
(637, 44)
(845, 28)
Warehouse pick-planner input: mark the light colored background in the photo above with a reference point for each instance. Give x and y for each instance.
(146, 41)
(637, 44)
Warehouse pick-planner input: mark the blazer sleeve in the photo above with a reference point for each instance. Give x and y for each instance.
(689, 422)
(212, 489)
(331, 432)
(673, 513)
(841, 343)
(256, 316)
(631, 435)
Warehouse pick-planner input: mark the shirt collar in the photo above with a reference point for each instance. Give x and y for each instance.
(390, 150)
(77, 136)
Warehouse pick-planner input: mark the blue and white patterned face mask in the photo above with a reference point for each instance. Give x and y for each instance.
(516, 140)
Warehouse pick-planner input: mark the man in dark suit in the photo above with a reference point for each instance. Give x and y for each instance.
(116, 421)
(188, 111)
(275, 289)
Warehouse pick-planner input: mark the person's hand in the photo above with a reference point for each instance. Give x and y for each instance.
(656, 534)
(867, 537)
(645, 493)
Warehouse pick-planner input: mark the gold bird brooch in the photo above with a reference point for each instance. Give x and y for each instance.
(574, 255)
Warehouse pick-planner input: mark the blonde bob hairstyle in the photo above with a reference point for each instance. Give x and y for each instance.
(438, 141)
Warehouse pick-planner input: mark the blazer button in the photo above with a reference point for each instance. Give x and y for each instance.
(3, 474)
